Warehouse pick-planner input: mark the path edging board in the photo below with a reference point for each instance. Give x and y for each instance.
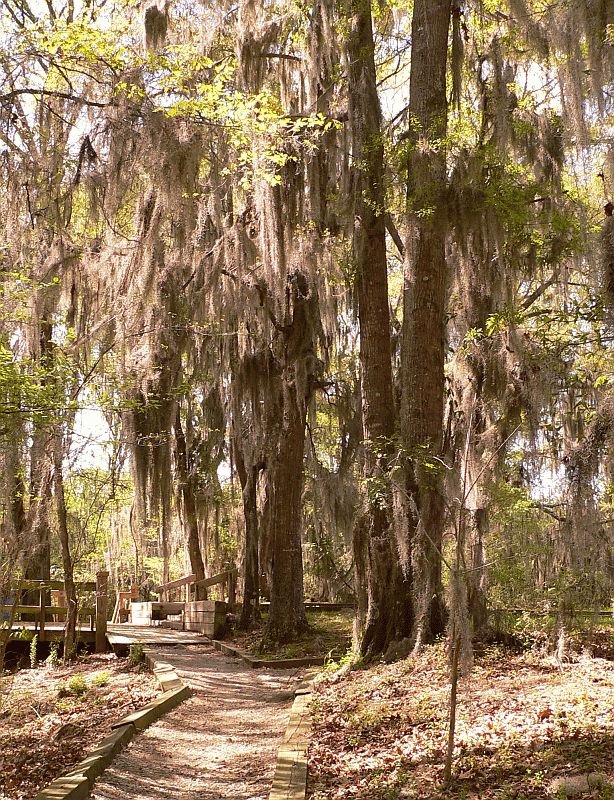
(290, 779)
(257, 663)
(77, 783)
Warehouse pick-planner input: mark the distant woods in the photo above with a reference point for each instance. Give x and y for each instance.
(330, 284)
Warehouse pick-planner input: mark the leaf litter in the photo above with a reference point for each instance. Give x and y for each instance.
(523, 721)
(51, 717)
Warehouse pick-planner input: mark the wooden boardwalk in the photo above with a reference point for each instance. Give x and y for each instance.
(125, 635)
(54, 631)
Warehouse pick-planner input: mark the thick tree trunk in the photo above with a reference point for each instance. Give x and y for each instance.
(37, 550)
(190, 517)
(290, 389)
(287, 618)
(389, 610)
(424, 315)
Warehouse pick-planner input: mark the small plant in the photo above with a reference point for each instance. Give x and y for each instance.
(136, 655)
(53, 659)
(34, 651)
(75, 687)
(101, 678)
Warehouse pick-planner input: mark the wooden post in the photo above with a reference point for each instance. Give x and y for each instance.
(102, 599)
(232, 588)
(41, 615)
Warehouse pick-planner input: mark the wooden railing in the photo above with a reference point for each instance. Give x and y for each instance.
(122, 604)
(43, 612)
(188, 582)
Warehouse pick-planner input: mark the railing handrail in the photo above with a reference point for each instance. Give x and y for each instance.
(88, 586)
(190, 580)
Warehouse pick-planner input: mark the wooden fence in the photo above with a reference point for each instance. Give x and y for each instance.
(226, 579)
(44, 612)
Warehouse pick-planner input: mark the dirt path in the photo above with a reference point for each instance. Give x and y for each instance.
(221, 743)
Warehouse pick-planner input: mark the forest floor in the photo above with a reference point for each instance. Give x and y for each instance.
(523, 721)
(329, 634)
(50, 717)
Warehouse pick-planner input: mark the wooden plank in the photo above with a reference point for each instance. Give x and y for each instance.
(207, 605)
(176, 584)
(290, 779)
(553, 612)
(214, 579)
(86, 586)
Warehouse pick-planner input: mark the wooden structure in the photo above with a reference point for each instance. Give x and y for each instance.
(121, 637)
(44, 618)
(121, 611)
(189, 585)
(145, 613)
(205, 616)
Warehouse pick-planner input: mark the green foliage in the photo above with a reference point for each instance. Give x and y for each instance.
(101, 679)
(75, 686)
(34, 651)
(136, 656)
(53, 659)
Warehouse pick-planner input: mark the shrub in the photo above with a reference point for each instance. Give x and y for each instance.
(34, 651)
(101, 678)
(136, 655)
(75, 687)
(53, 659)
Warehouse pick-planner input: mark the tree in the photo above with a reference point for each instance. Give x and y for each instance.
(389, 610)
(424, 304)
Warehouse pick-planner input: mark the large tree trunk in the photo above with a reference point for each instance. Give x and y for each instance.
(389, 610)
(287, 618)
(290, 389)
(424, 303)
(37, 551)
(190, 517)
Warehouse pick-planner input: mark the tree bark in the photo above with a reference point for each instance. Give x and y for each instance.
(70, 589)
(389, 609)
(424, 303)
(287, 618)
(291, 388)
(190, 517)
(38, 549)
(248, 477)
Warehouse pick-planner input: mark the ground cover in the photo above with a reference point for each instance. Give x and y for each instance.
(329, 634)
(523, 721)
(50, 716)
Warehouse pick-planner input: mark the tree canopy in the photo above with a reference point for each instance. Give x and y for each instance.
(330, 284)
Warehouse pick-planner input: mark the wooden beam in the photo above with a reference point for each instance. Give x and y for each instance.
(102, 600)
(219, 578)
(191, 579)
(84, 611)
(86, 586)
(185, 581)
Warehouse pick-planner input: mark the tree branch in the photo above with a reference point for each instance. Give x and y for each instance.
(9, 96)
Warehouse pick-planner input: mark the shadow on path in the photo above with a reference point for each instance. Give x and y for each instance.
(221, 743)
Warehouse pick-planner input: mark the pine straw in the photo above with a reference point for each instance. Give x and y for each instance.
(522, 721)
